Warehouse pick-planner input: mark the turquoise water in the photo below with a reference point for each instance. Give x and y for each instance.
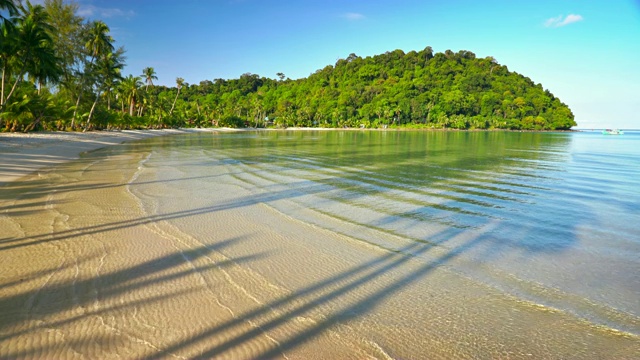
(546, 217)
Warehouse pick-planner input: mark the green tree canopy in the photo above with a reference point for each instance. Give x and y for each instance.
(420, 89)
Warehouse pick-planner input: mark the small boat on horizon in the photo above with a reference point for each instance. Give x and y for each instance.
(612, 132)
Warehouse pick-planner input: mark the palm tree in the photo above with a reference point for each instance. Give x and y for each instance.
(32, 48)
(47, 68)
(179, 82)
(149, 74)
(106, 72)
(10, 6)
(130, 89)
(42, 69)
(113, 64)
(398, 111)
(100, 42)
(8, 50)
(143, 100)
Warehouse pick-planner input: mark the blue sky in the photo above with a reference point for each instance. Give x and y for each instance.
(586, 52)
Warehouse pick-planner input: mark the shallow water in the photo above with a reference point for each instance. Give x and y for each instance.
(350, 244)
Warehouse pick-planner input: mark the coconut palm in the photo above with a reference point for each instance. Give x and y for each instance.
(37, 13)
(10, 7)
(7, 52)
(47, 68)
(106, 72)
(29, 111)
(99, 42)
(33, 51)
(149, 74)
(179, 83)
(113, 64)
(130, 87)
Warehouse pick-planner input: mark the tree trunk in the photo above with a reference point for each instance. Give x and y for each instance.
(2, 94)
(13, 88)
(93, 107)
(33, 125)
(75, 111)
(132, 106)
(174, 102)
(18, 79)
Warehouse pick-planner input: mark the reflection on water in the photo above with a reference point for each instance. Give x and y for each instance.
(555, 211)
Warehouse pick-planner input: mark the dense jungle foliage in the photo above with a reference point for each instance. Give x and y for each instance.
(61, 72)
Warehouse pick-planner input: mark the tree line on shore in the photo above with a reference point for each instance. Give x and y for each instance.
(62, 72)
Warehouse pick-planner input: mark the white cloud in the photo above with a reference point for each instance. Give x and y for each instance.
(353, 16)
(92, 11)
(562, 21)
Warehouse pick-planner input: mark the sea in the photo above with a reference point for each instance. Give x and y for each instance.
(555, 216)
(544, 221)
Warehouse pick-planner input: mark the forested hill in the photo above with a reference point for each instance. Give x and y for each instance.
(419, 89)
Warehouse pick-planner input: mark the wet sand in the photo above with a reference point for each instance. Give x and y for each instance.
(22, 154)
(98, 263)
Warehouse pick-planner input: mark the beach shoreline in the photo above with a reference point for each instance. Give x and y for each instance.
(24, 154)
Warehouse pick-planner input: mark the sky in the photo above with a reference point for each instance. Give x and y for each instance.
(586, 52)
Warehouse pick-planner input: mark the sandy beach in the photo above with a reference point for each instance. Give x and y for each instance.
(122, 254)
